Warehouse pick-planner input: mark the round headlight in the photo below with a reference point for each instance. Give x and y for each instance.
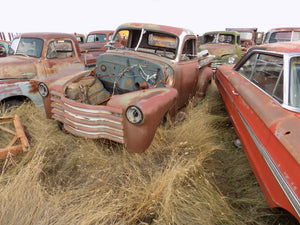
(134, 114)
(43, 89)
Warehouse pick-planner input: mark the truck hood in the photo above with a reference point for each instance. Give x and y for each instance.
(17, 67)
(219, 49)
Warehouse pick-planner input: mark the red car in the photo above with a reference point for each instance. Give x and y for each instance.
(262, 96)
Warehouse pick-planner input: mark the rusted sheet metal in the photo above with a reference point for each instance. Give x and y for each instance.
(154, 103)
(17, 67)
(219, 49)
(19, 143)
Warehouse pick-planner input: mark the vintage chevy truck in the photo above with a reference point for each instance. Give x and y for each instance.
(37, 56)
(224, 45)
(133, 87)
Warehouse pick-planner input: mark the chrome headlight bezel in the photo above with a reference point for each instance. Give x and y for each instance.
(134, 115)
(43, 89)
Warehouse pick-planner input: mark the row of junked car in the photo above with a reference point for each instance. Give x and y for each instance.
(230, 45)
(153, 73)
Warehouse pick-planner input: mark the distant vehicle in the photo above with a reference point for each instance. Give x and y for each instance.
(80, 38)
(249, 37)
(224, 45)
(282, 35)
(133, 88)
(96, 41)
(262, 96)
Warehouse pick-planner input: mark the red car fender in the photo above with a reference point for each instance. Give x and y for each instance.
(154, 104)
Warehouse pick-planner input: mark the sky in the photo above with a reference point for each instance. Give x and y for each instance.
(200, 16)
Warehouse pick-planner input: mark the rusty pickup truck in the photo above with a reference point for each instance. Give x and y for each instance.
(37, 56)
(133, 87)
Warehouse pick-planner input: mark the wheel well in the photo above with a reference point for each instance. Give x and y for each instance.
(14, 100)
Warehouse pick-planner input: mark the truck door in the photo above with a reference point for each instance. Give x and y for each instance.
(61, 58)
(187, 71)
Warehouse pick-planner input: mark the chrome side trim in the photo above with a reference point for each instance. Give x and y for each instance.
(285, 186)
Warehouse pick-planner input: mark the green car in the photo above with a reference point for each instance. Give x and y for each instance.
(224, 45)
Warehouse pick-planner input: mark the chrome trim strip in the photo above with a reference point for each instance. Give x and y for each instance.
(90, 118)
(285, 186)
(98, 127)
(89, 110)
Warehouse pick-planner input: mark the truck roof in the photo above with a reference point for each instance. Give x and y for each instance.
(101, 32)
(155, 27)
(48, 35)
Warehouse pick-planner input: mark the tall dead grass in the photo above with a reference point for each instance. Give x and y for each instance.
(191, 174)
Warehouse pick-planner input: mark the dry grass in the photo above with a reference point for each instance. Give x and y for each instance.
(191, 174)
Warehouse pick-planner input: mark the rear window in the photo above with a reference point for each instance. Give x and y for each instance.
(60, 49)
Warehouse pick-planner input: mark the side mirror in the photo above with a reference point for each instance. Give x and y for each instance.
(202, 54)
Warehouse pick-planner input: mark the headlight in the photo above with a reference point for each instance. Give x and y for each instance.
(43, 89)
(134, 114)
(231, 59)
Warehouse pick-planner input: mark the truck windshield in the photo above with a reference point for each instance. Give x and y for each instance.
(30, 47)
(97, 38)
(218, 38)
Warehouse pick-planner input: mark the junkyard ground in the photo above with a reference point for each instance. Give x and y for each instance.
(191, 174)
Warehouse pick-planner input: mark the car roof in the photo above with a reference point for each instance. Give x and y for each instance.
(283, 47)
(285, 29)
(155, 27)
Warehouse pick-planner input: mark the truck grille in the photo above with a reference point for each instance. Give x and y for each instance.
(88, 121)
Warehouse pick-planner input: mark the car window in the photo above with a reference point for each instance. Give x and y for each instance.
(265, 71)
(294, 94)
(188, 51)
(96, 38)
(60, 49)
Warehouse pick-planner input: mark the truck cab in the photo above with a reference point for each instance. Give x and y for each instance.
(37, 56)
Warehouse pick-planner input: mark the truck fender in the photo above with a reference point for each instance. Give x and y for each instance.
(154, 104)
(205, 76)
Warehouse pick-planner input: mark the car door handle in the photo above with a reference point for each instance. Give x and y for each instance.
(76, 62)
(235, 92)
